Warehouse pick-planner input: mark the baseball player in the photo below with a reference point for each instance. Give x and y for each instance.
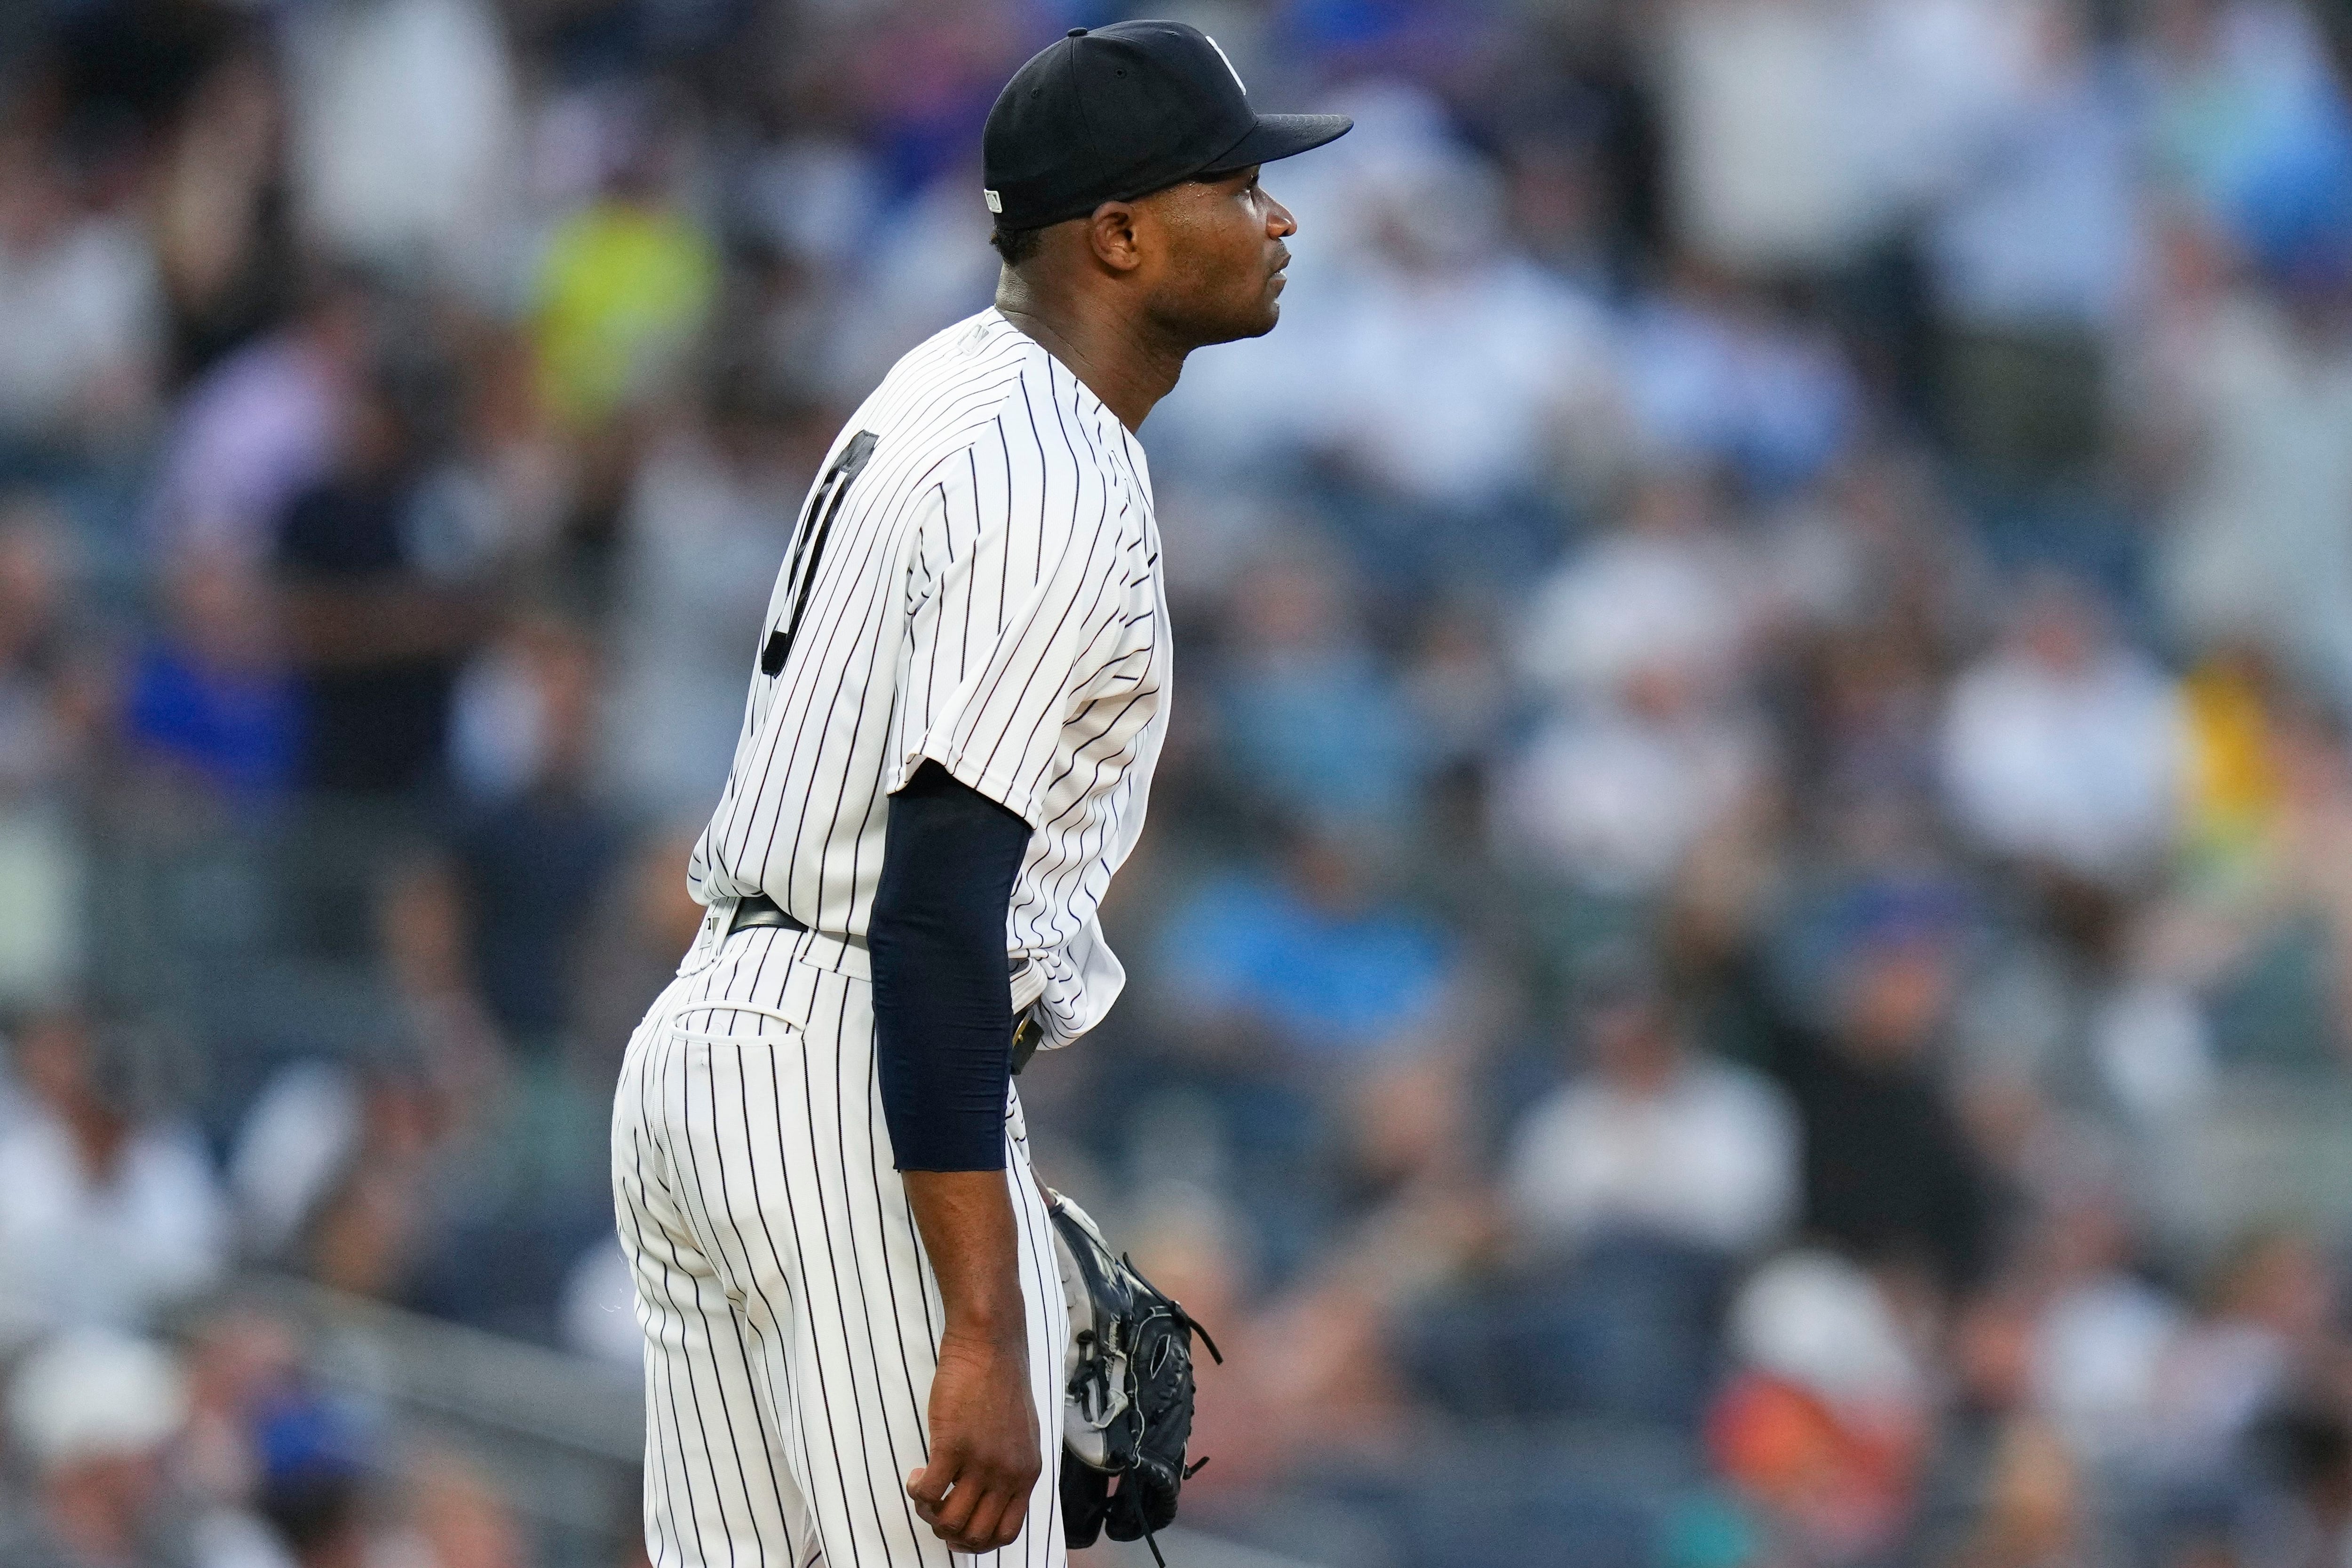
(844, 1267)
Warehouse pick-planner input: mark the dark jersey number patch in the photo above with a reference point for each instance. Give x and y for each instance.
(816, 523)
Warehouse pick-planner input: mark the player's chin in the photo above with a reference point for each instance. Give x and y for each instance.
(1262, 320)
(1232, 327)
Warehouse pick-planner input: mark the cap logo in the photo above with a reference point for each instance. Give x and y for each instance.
(1229, 65)
(995, 202)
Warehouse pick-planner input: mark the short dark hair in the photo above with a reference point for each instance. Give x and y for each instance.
(1018, 246)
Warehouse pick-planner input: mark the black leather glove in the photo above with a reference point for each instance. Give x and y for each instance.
(1127, 1404)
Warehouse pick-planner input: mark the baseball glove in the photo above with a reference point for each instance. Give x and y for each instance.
(1127, 1378)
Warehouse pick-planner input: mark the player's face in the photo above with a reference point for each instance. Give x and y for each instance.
(1220, 258)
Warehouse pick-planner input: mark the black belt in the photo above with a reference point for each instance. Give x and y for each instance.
(759, 909)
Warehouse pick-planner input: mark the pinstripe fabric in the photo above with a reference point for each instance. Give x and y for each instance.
(978, 583)
(791, 1317)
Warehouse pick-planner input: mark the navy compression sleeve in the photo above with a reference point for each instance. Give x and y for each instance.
(943, 998)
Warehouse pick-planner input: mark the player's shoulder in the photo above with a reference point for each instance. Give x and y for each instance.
(950, 384)
(983, 380)
(939, 400)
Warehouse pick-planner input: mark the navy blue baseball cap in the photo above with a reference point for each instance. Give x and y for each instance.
(1108, 114)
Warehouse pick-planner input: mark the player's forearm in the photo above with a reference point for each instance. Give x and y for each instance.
(966, 1221)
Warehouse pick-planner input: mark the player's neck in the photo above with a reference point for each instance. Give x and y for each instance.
(1120, 360)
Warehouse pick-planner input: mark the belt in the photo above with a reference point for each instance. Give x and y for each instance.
(759, 909)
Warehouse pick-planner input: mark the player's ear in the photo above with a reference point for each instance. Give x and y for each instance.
(1110, 231)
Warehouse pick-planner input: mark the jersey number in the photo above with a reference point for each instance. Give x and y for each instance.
(825, 504)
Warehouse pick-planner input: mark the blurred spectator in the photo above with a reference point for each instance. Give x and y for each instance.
(1320, 958)
(210, 697)
(91, 1412)
(1888, 1170)
(1667, 591)
(1648, 746)
(2235, 766)
(2065, 747)
(2247, 120)
(313, 1492)
(2033, 1504)
(813, 195)
(2100, 1338)
(2296, 888)
(81, 348)
(1654, 1138)
(457, 1519)
(292, 1143)
(363, 1176)
(1459, 373)
(263, 426)
(106, 1214)
(2263, 1334)
(371, 1205)
(269, 1479)
(403, 134)
(378, 606)
(706, 526)
(239, 1360)
(1459, 692)
(624, 283)
(2035, 255)
(1803, 134)
(1616, 787)
(1718, 379)
(1825, 1423)
(1310, 720)
(1764, 102)
(223, 236)
(2251, 390)
(1634, 1190)
(533, 854)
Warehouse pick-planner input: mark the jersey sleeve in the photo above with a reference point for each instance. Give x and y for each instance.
(1023, 616)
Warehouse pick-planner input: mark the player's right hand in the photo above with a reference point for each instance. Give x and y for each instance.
(984, 1459)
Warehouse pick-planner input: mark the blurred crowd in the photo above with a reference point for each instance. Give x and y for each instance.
(223, 1453)
(1743, 954)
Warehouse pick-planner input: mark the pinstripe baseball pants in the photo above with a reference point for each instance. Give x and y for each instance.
(792, 1320)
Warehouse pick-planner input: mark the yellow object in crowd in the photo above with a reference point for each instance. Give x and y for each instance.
(2233, 780)
(621, 291)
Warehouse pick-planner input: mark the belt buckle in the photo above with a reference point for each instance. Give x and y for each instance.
(1025, 1038)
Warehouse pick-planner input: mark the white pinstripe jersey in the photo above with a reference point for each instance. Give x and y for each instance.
(974, 579)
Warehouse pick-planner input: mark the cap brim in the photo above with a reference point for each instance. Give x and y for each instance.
(1281, 136)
